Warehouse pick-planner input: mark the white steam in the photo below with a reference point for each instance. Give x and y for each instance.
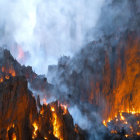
(46, 29)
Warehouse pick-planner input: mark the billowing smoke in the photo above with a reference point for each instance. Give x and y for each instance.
(38, 32)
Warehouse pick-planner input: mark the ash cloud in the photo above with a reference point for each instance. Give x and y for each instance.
(46, 30)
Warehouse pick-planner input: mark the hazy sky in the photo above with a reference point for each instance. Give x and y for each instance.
(46, 29)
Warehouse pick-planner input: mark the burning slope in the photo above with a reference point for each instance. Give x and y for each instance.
(20, 119)
(106, 77)
(125, 97)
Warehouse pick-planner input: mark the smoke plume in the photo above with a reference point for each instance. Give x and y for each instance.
(38, 32)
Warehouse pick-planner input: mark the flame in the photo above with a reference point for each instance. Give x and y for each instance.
(14, 136)
(123, 120)
(64, 108)
(56, 125)
(41, 111)
(52, 109)
(34, 135)
(125, 93)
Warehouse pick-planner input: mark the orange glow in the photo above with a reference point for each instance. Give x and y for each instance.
(124, 97)
(56, 122)
(12, 72)
(64, 108)
(138, 133)
(1, 80)
(104, 123)
(3, 69)
(56, 127)
(41, 111)
(20, 53)
(126, 135)
(113, 131)
(34, 135)
(44, 101)
(52, 109)
(7, 77)
(14, 136)
(123, 120)
(8, 72)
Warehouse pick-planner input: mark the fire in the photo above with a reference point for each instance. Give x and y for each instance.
(35, 130)
(14, 136)
(56, 121)
(122, 120)
(41, 111)
(7, 73)
(124, 95)
(12, 126)
(64, 108)
(12, 72)
(52, 109)
(55, 115)
(56, 127)
(104, 123)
